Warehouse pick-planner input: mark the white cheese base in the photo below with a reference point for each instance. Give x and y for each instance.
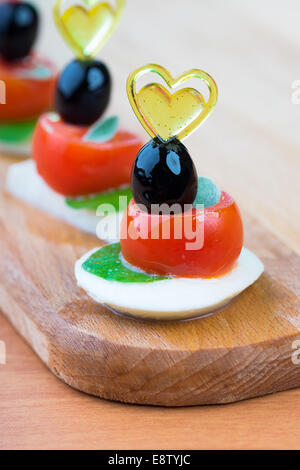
(22, 149)
(177, 298)
(24, 182)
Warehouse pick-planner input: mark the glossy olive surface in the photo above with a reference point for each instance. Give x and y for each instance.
(19, 23)
(164, 173)
(83, 91)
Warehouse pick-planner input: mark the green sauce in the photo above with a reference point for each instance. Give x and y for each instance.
(107, 264)
(17, 132)
(93, 202)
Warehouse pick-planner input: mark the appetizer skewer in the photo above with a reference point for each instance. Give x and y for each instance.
(28, 79)
(81, 160)
(181, 251)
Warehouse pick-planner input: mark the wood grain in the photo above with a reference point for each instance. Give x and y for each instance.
(37, 411)
(244, 351)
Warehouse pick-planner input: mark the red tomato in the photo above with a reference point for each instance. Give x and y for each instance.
(27, 95)
(219, 240)
(73, 167)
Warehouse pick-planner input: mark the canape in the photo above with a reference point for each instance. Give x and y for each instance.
(81, 161)
(27, 79)
(181, 251)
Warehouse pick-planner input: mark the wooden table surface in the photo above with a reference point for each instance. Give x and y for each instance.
(251, 147)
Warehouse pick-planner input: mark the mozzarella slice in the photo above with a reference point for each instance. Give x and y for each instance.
(22, 149)
(24, 182)
(176, 298)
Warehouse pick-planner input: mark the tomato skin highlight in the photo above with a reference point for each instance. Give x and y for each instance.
(74, 167)
(220, 248)
(26, 97)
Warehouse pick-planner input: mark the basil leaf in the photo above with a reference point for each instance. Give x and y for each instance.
(102, 130)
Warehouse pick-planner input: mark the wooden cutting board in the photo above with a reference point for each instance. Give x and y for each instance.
(244, 351)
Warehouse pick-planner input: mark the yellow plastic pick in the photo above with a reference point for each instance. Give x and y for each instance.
(86, 29)
(170, 115)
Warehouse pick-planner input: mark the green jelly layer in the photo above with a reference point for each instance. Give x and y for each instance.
(16, 132)
(107, 264)
(93, 202)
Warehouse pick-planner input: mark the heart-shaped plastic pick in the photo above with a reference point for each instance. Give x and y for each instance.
(86, 29)
(170, 115)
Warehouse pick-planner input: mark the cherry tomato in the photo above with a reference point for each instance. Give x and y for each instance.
(209, 246)
(29, 88)
(74, 167)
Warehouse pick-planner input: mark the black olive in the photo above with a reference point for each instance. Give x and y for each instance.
(83, 91)
(164, 173)
(19, 24)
